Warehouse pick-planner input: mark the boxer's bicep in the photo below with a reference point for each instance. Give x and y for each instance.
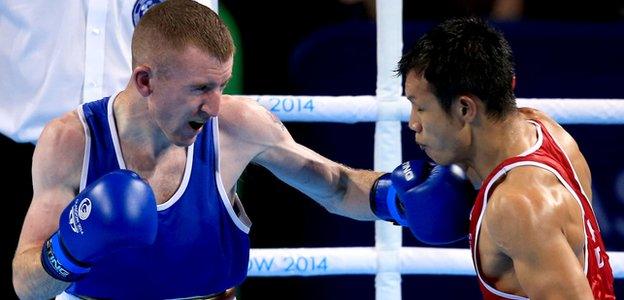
(57, 163)
(524, 227)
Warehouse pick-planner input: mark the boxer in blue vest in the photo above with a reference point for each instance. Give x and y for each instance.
(158, 163)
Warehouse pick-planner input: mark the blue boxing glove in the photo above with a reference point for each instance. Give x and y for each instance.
(436, 208)
(384, 201)
(116, 211)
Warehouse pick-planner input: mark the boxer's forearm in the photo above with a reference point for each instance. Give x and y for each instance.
(30, 280)
(353, 193)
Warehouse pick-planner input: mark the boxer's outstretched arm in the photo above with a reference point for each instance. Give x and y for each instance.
(338, 188)
(526, 224)
(55, 172)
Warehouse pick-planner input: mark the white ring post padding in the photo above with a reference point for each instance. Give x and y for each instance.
(363, 260)
(352, 109)
(387, 155)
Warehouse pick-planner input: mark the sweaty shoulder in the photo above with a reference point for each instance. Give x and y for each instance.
(527, 203)
(247, 121)
(59, 152)
(566, 142)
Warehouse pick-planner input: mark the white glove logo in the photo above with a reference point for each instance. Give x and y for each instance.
(79, 212)
(84, 209)
(407, 171)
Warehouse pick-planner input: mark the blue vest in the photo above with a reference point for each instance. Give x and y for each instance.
(202, 247)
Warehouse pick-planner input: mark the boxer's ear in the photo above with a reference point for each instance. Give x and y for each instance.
(141, 77)
(465, 108)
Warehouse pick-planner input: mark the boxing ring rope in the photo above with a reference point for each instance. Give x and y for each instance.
(363, 260)
(352, 109)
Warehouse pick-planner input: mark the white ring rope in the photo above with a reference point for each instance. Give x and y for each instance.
(363, 260)
(352, 109)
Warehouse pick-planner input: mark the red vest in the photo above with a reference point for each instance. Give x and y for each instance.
(546, 154)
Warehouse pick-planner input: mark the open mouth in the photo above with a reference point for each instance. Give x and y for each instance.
(196, 125)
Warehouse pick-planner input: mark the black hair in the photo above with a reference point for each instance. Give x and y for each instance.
(465, 56)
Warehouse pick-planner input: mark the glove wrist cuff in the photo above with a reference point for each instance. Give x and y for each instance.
(58, 262)
(384, 202)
